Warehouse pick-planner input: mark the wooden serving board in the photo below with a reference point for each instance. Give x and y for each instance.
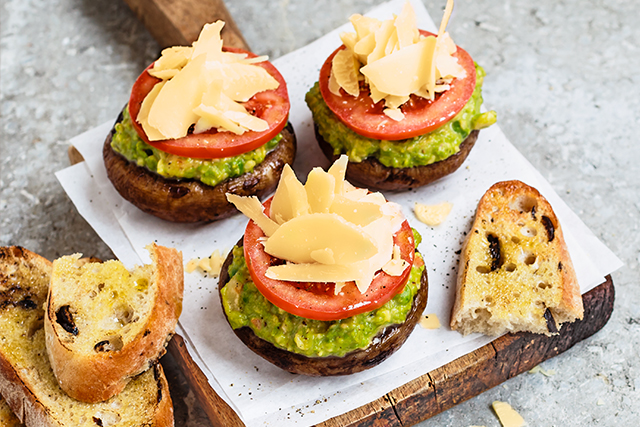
(442, 388)
(179, 23)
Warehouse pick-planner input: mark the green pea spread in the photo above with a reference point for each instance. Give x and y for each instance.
(211, 172)
(418, 151)
(244, 305)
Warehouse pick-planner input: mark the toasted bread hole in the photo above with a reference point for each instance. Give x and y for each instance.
(93, 294)
(528, 231)
(489, 301)
(124, 314)
(524, 203)
(110, 344)
(529, 258)
(516, 294)
(510, 267)
(481, 314)
(515, 240)
(483, 269)
(544, 285)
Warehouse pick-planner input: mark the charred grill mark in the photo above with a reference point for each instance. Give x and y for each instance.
(551, 323)
(156, 376)
(560, 266)
(65, 319)
(494, 251)
(548, 225)
(533, 212)
(16, 296)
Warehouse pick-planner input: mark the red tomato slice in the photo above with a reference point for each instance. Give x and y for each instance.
(421, 115)
(317, 300)
(272, 106)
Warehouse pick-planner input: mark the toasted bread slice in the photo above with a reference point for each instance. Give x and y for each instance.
(515, 271)
(7, 417)
(27, 381)
(104, 325)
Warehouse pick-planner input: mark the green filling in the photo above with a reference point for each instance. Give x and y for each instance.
(418, 151)
(211, 172)
(244, 305)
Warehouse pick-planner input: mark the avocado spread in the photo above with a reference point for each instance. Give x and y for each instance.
(211, 172)
(244, 305)
(417, 151)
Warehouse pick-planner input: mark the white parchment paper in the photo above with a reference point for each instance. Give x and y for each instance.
(261, 393)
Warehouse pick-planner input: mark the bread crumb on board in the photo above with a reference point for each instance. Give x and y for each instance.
(432, 215)
(209, 265)
(507, 415)
(430, 321)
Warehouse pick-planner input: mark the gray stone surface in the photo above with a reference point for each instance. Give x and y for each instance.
(563, 77)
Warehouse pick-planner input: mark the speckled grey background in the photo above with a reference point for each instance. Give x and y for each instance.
(563, 77)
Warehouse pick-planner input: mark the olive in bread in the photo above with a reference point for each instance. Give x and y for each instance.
(515, 271)
(105, 324)
(27, 381)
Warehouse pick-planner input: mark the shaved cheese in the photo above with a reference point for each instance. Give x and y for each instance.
(430, 321)
(290, 198)
(432, 215)
(203, 85)
(396, 61)
(320, 190)
(143, 114)
(356, 212)
(327, 230)
(338, 170)
(172, 111)
(396, 265)
(406, 27)
(507, 415)
(252, 208)
(297, 238)
(403, 72)
(345, 69)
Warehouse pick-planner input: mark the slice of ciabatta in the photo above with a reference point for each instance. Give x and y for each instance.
(515, 273)
(105, 324)
(27, 381)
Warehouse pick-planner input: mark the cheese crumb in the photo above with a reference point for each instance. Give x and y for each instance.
(507, 415)
(430, 321)
(209, 265)
(539, 370)
(432, 215)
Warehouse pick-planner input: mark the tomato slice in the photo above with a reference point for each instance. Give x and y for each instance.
(421, 115)
(272, 106)
(317, 300)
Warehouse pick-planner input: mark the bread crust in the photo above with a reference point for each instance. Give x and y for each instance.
(520, 205)
(384, 344)
(101, 375)
(25, 398)
(191, 200)
(370, 173)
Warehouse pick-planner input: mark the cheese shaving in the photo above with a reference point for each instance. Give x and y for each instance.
(327, 230)
(395, 60)
(432, 215)
(203, 85)
(507, 415)
(210, 265)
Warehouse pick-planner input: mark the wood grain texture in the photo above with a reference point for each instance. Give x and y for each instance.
(442, 388)
(178, 23)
